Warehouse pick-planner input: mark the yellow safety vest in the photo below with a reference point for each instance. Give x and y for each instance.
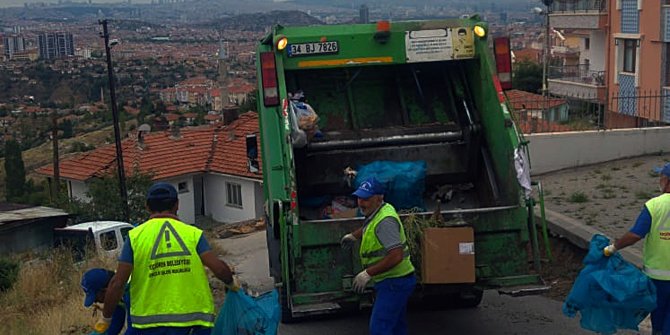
(657, 242)
(372, 251)
(169, 286)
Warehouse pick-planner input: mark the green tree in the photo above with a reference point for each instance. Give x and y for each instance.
(250, 103)
(527, 76)
(105, 202)
(15, 171)
(67, 128)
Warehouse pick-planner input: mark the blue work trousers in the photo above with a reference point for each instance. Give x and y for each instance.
(660, 317)
(390, 307)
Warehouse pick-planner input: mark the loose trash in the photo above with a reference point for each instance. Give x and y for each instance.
(609, 292)
(404, 181)
(305, 120)
(242, 314)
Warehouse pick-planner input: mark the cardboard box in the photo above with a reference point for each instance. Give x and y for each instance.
(448, 255)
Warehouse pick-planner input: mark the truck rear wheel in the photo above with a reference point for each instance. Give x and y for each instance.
(286, 313)
(470, 298)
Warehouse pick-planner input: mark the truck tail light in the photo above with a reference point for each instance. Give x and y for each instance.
(503, 61)
(269, 78)
(294, 200)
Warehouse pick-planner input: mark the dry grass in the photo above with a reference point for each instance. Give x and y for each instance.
(47, 298)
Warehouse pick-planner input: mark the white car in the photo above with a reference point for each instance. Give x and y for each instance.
(106, 237)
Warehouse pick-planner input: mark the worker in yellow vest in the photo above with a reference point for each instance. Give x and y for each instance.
(385, 259)
(169, 289)
(654, 224)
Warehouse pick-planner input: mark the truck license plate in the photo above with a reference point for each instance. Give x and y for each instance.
(314, 48)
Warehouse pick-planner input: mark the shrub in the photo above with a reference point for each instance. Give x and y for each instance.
(578, 197)
(9, 273)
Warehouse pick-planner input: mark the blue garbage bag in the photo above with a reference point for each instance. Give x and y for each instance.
(245, 315)
(609, 292)
(404, 181)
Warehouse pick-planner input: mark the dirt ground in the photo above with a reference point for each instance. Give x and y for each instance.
(607, 196)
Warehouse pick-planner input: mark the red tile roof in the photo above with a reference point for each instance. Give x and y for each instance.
(526, 104)
(212, 117)
(528, 54)
(196, 150)
(230, 152)
(530, 101)
(172, 117)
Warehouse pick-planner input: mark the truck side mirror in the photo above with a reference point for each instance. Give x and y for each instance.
(252, 153)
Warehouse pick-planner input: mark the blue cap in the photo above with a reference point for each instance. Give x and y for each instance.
(369, 188)
(162, 191)
(92, 282)
(664, 170)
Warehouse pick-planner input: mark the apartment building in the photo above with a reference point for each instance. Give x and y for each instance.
(54, 45)
(624, 57)
(639, 80)
(14, 44)
(584, 26)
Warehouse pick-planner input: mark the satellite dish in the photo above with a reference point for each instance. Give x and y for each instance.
(144, 128)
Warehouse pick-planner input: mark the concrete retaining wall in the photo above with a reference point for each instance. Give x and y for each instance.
(557, 151)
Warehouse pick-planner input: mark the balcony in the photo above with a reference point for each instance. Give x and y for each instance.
(577, 81)
(580, 14)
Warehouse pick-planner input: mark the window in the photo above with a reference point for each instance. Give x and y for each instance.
(587, 43)
(108, 240)
(234, 195)
(629, 55)
(182, 187)
(666, 80)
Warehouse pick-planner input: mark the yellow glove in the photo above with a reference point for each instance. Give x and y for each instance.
(234, 285)
(609, 250)
(102, 325)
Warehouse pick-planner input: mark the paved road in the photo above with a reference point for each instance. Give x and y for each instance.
(496, 315)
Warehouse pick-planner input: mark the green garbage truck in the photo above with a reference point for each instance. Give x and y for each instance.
(335, 98)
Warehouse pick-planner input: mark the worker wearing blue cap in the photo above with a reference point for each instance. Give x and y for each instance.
(169, 290)
(94, 283)
(385, 259)
(653, 224)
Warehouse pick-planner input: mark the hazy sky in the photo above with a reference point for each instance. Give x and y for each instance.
(14, 3)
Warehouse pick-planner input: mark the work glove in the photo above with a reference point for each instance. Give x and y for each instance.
(234, 285)
(609, 250)
(347, 241)
(102, 325)
(360, 281)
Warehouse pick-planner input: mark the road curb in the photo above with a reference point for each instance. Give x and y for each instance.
(580, 234)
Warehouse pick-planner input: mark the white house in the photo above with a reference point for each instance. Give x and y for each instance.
(207, 165)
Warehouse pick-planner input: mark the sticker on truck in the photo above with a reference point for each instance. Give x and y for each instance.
(439, 44)
(313, 48)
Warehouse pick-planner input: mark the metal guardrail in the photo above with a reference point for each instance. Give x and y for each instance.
(643, 109)
(577, 73)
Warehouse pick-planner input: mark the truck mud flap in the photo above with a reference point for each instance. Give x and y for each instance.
(519, 286)
(301, 311)
(520, 291)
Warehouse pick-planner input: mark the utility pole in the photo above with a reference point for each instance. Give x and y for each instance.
(115, 118)
(55, 187)
(547, 50)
